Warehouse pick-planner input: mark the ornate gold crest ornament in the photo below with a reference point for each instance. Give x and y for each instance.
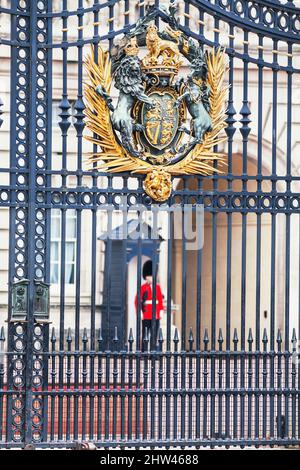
(146, 131)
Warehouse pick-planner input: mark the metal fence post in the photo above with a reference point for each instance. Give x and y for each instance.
(28, 221)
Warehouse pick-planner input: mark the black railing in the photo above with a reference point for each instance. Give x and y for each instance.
(166, 397)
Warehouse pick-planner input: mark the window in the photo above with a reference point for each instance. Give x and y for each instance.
(56, 246)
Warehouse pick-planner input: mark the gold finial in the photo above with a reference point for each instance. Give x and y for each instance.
(132, 47)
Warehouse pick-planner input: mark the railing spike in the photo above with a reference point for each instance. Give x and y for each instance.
(160, 336)
(205, 339)
(235, 336)
(2, 334)
(69, 336)
(84, 335)
(53, 337)
(176, 336)
(279, 336)
(191, 340)
(220, 337)
(265, 336)
(100, 335)
(250, 336)
(115, 339)
(99, 339)
(130, 337)
(294, 336)
(146, 340)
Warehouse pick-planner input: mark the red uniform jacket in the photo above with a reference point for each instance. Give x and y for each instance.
(147, 309)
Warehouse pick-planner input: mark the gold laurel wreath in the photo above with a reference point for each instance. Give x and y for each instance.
(113, 158)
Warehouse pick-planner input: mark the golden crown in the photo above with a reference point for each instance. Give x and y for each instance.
(132, 47)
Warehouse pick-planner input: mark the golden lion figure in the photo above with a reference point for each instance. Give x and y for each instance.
(158, 47)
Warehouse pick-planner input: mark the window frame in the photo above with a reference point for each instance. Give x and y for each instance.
(56, 214)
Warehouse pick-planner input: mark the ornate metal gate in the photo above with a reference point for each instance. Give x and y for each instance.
(225, 368)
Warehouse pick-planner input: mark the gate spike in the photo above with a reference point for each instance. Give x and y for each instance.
(130, 337)
(69, 336)
(130, 340)
(160, 340)
(294, 337)
(116, 339)
(279, 336)
(2, 334)
(220, 338)
(160, 336)
(99, 339)
(84, 336)
(235, 336)
(176, 336)
(191, 340)
(53, 337)
(147, 334)
(205, 340)
(250, 336)
(265, 336)
(146, 340)
(99, 336)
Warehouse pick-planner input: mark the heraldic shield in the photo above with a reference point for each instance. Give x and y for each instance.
(160, 124)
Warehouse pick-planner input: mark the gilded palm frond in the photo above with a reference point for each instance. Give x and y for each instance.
(97, 112)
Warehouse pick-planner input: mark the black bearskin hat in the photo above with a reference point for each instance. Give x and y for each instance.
(147, 269)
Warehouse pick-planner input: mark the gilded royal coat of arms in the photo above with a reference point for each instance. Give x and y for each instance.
(160, 125)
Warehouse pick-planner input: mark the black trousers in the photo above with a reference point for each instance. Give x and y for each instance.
(146, 326)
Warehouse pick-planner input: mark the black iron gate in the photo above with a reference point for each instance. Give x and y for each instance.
(225, 367)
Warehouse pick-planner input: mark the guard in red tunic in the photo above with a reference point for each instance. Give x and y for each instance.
(146, 303)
